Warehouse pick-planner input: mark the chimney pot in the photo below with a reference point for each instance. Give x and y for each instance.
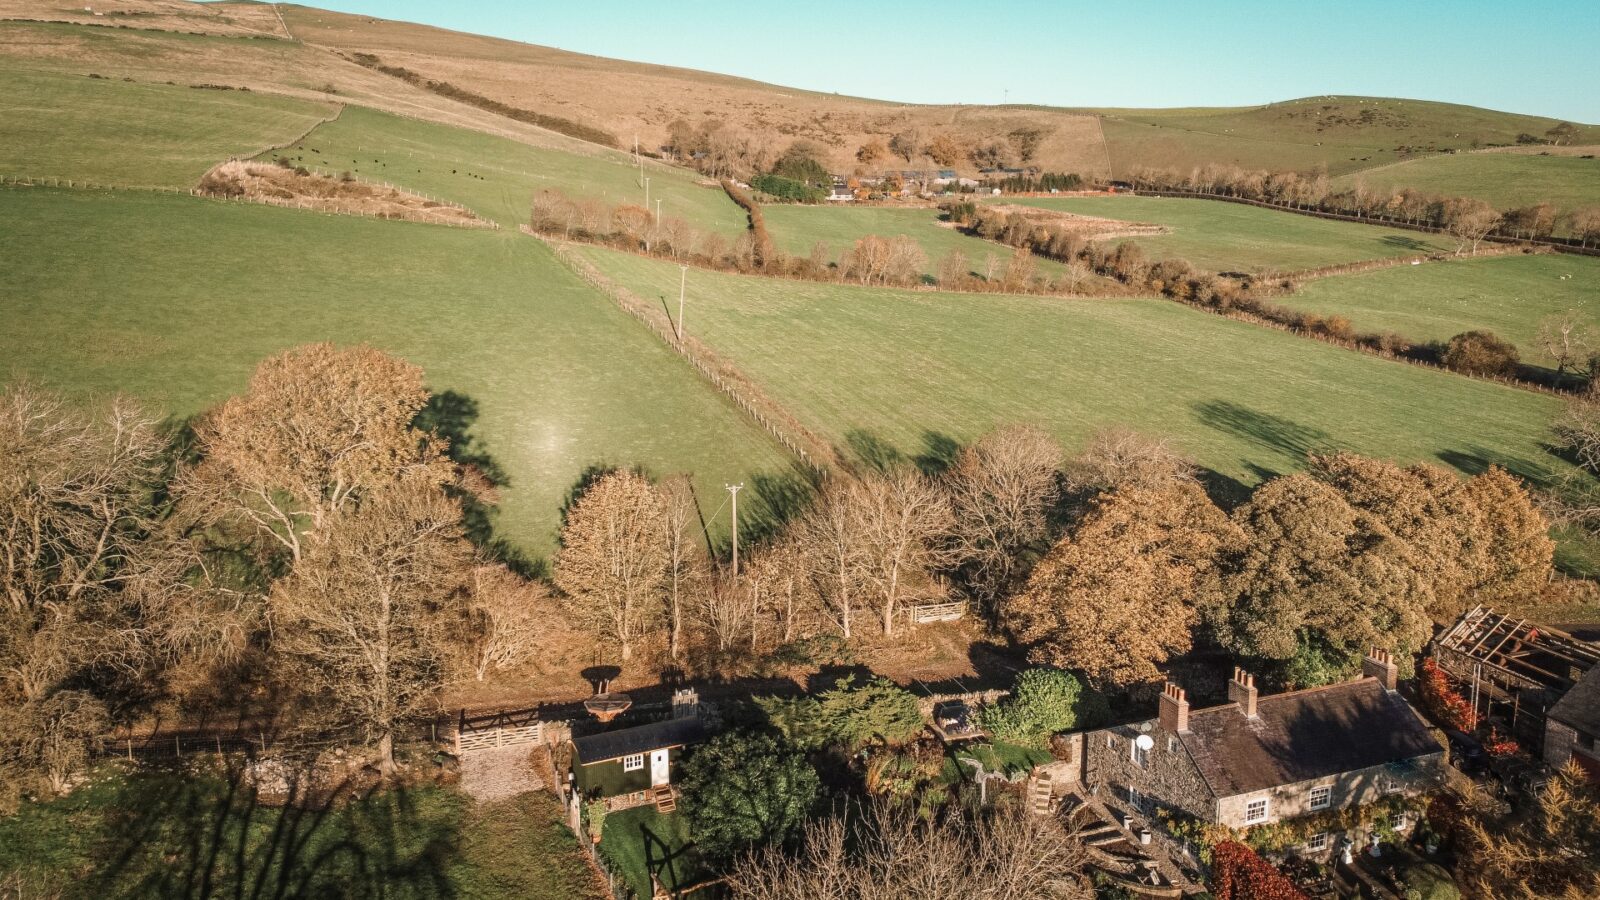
(1242, 690)
(1380, 664)
(1174, 710)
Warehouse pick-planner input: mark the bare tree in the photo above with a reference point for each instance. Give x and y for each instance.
(889, 852)
(1566, 338)
(505, 619)
(905, 261)
(831, 538)
(1001, 490)
(614, 558)
(361, 624)
(1121, 457)
(1469, 220)
(778, 589)
(686, 562)
(903, 518)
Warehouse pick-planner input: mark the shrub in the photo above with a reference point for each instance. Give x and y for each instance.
(1237, 873)
(1442, 701)
(788, 189)
(743, 789)
(1043, 702)
(847, 716)
(1481, 353)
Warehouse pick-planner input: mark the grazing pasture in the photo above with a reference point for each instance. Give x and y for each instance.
(1234, 237)
(912, 373)
(497, 177)
(797, 228)
(133, 134)
(1508, 295)
(1505, 180)
(175, 298)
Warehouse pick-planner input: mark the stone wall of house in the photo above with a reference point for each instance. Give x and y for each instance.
(1168, 780)
(1348, 789)
(1559, 740)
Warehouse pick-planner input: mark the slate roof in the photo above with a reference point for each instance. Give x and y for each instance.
(1580, 707)
(1304, 735)
(610, 745)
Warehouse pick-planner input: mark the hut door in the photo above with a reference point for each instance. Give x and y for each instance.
(658, 768)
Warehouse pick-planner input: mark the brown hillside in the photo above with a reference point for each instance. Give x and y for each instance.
(634, 99)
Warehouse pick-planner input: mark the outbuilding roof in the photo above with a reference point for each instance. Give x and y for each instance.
(1304, 735)
(1580, 707)
(609, 745)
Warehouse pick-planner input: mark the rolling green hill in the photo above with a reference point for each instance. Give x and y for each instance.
(174, 299)
(1503, 179)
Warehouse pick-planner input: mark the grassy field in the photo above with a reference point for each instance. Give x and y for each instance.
(797, 228)
(1233, 237)
(133, 134)
(175, 298)
(925, 370)
(1342, 133)
(640, 842)
(1508, 295)
(496, 177)
(1505, 180)
(163, 835)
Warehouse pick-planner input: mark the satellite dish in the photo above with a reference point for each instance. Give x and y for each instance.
(1144, 742)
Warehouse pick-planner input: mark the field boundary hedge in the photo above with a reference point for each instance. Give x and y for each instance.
(1560, 245)
(812, 451)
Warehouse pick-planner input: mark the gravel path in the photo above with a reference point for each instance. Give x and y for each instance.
(489, 775)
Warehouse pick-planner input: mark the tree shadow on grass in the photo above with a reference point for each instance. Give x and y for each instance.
(174, 832)
(1477, 460)
(1406, 242)
(1264, 430)
(672, 868)
(451, 415)
(868, 451)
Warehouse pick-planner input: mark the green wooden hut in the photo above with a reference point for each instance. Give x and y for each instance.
(632, 760)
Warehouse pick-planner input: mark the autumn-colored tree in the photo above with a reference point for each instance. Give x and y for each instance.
(1548, 849)
(614, 557)
(905, 144)
(1442, 701)
(905, 262)
(868, 260)
(944, 150)
(1311, 563)
(1238, 873)
(1516, 553)
(954, 269)
(831, 540)
(872, 151)
(1481, 353)
(1124, 590)
(504, 619)
(777, 591)
(1019, 269)
(317, 427)
(1585, 224)
(1001, 488)
(361, 624)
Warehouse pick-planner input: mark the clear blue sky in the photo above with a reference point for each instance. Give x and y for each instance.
(1541, 58)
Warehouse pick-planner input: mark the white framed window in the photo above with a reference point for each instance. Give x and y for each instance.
(1398, 821)
(1256, 811)
(1321, 797)
(1317, 842)
(1111, 742)
(1172, 744)
(633, 762)
(1140, 756)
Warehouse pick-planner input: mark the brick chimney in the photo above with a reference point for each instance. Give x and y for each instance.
(1242, 690)
(1174, 716)
(1380, 665)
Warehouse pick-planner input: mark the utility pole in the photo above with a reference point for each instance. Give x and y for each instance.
(683, 280)
(647, 194)
(658, 212)
(734, 489)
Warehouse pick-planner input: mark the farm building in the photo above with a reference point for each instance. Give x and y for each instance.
(1258, 760)
(1572, 727)
(1518, 672)
(633, 765)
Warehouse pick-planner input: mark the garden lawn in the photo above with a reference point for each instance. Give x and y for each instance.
(884, 372)
(1508, 295)
(175, 299)
(126, 134)
(1234, 237)
(496, 177)
(180, 834)
(1504, 180)
(797, 228)
(640, 842)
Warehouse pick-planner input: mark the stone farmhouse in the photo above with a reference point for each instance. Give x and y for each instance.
(1257, 760)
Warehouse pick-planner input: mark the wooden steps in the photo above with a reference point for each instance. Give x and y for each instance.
(1040, 795)
(665, 798)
